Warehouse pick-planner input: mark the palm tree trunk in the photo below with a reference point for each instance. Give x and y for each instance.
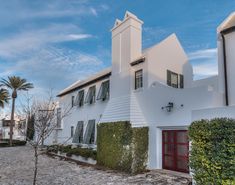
(12, 120)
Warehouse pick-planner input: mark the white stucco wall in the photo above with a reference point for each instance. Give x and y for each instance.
(210, 113)
(230, 55)
(152, 100)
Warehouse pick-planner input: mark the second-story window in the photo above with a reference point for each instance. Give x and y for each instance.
(175, 80)
(90, 96)
(72, 101)
(103, 91)
(139, 79)
(172, 79)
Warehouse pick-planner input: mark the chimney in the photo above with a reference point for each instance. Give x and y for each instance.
(126, 42)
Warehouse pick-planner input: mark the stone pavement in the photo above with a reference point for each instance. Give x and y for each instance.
(16, 168)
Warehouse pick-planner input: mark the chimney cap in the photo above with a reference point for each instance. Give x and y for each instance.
(127, 16)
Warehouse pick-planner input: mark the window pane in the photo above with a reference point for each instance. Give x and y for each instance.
(182, 150)
(169, 161)
(182, 137)
(169, 149)
(139, 79)
(174, 80)
(182, 164)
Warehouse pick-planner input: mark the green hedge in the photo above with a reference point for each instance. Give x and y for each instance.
(84, 152)
(121, 147)
(212, 155)
(5, 143)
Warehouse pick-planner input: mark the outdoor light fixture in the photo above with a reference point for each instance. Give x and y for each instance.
(169, 107)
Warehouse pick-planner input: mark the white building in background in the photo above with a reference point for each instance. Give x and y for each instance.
(19, 128)
(152, 87)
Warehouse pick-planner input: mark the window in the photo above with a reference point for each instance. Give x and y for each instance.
(58, 112)
(172, 79)
(78, 136)
(89, 137)
(175, 80)
(103, 91)
(72, 131)
(90, 97)
(139, 79)
(80, 98)
(72, 101)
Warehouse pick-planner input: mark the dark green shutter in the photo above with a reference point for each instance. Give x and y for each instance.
(168, 77)
(78, 133)
(81, 98)
(181, 81)
(90, 130)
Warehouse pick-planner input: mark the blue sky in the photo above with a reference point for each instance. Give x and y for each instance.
(56, 42)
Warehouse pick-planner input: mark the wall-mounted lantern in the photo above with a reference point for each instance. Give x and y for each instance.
(168, 107)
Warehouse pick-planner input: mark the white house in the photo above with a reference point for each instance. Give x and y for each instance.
(152, 87)
(18, 128)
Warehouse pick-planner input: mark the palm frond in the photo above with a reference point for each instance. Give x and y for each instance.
(4, 97)
(16, 83)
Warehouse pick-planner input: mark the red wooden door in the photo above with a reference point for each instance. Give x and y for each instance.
(175, 149)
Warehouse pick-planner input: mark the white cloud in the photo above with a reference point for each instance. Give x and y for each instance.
(205, 70)
(204, 62)
(203, 54)
(26, 41)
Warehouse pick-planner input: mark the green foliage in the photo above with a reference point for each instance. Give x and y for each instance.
(84, 152)
(212, 156)
(121, 147)
(30, 128)
(4, 97)
(140, 148)
(5, 143)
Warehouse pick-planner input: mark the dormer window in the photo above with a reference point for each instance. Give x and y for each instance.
(90, 97)
(80, 98)
(103, 91)
(139, 79)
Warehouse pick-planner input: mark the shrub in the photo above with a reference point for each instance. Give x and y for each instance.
(121, 147)
(212, 155)
(84, 152)
(5, 143)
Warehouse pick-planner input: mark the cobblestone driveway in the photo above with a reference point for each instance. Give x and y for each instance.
(16, 168)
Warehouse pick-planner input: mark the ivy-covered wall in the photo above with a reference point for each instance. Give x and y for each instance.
(121, 147)
(212, 155)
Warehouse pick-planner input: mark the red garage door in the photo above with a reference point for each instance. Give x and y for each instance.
(175, 149)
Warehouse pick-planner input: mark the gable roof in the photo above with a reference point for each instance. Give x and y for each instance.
(88, 81)
(227, 23)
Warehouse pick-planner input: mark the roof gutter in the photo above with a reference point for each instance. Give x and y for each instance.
(223, 33)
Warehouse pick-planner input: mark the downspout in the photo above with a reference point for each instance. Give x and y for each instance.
(223, 33)
(225, 69)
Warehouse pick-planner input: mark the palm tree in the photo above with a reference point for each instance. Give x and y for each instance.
(15, 83)
(4, 97)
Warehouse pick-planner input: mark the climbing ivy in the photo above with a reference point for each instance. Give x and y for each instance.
(121, 147)
(212, 155)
